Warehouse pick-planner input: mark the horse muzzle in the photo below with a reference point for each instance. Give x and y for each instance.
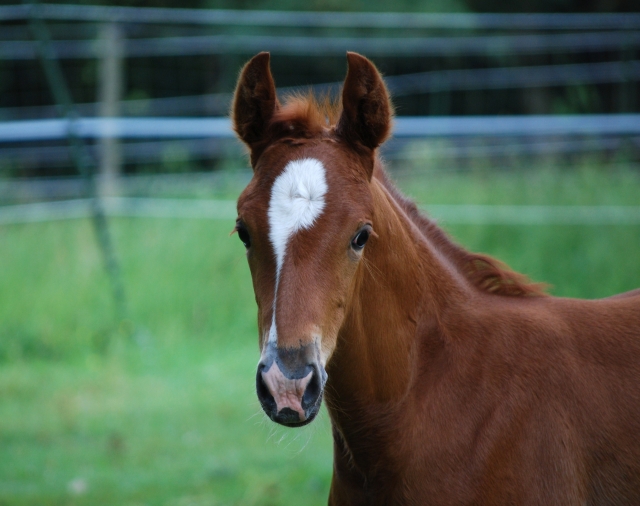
(289, 384)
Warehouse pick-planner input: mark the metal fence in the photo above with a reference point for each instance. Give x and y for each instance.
(592, 54)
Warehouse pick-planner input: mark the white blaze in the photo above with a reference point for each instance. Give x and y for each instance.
(297, 200)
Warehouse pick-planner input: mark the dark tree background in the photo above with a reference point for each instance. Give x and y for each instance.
(384, 5)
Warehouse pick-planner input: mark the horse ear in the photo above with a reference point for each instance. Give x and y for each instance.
(255, 100)
(366, 109)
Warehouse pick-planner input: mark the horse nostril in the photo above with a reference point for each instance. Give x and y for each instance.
(313, 390)
(264, 396)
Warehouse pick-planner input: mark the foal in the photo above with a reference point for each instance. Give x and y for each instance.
(448, 378)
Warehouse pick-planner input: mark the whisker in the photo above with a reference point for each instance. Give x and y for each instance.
(257, 413)
(370, 269)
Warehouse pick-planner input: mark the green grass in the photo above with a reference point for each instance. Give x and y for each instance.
(536, 184)
(89, 416)
(169, 419)
(587, 261)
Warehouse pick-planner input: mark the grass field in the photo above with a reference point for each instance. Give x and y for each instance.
(92, 416)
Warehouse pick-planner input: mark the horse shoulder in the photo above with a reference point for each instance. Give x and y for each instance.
(601, 396)
(563, 376)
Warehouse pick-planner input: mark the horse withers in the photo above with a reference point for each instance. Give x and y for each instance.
(448, 378)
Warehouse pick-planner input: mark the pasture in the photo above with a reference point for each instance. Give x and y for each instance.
(160, 409)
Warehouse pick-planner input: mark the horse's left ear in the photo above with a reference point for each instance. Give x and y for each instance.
(254, 101)
(366, 109)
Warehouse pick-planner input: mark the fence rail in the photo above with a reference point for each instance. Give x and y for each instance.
(406, 126)
(226, 210)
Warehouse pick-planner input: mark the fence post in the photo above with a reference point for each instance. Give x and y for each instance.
(80, 155)
(110, 85)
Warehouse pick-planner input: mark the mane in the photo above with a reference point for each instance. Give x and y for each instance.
(313, 114)
(484, 272)
(308, 111)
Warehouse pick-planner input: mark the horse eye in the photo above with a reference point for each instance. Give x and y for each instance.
(361, 238)
(244, 236)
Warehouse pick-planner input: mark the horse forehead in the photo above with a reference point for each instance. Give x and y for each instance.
(320, 171)
(297, 200)
(302, 178)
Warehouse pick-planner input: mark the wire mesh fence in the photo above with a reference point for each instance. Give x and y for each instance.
(152, 88)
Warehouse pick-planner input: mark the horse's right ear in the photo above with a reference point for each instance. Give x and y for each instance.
(254, 101)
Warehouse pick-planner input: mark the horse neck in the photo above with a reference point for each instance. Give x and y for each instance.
(399, 292)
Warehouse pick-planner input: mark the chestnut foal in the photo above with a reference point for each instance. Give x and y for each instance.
(448, 378)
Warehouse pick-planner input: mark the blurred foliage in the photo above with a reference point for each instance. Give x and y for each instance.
(553, 5)
(296, 5)
(397, 6)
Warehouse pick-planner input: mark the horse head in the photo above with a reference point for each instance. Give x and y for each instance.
(305, 219)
